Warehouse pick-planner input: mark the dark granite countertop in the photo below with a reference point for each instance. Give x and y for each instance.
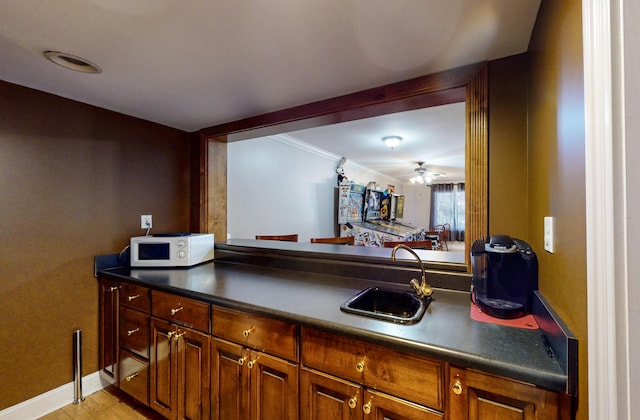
(312, 299)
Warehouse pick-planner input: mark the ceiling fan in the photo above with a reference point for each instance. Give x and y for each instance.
(424, 176)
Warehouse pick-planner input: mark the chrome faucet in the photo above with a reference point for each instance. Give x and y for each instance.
(422, 289)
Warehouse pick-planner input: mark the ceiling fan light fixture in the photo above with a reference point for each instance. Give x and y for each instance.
(72, 62)
(392, 141)
(423, 175)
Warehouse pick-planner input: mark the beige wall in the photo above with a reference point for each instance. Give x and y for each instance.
(508, 201)
(557, 166)
(74, 180)
(536, 160)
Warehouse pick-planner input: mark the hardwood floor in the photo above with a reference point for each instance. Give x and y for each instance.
(108, 403)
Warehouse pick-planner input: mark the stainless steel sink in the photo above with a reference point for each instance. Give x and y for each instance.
(402, 307)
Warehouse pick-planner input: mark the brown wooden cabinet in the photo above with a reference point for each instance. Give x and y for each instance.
(180, 371)
(249, 384)
(248, 381)
(349, 379)
(181, 310)
(180, 357)
(188, 359)
(134, 331)
(403, 375)
(135, 297)
(273, 387)
(477, 396)
(229, 381)
(272, 336)
(324, 396)
(108, 324)
(134, 375)
(380, 406)
(135, 305)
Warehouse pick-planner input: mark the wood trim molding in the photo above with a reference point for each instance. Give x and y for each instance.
(468, 83)
(198, 184)
(477, 161)
(216, 194)
(208, 213)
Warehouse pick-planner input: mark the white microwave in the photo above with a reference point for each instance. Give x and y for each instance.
(171, 249)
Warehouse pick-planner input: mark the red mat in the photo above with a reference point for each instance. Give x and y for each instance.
(527, 322)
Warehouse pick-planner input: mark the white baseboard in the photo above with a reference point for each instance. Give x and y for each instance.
(43, 404)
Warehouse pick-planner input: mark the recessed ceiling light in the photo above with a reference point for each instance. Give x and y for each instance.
(72, 62)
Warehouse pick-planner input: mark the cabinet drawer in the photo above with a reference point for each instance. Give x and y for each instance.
(189, 312)
(136, 297)
(404, 375)
(134, 331)
(134, 376)
(269, 335)
(385, 406)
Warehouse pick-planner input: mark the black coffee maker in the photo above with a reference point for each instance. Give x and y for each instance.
(505, 274)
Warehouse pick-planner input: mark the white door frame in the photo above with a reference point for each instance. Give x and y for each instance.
(607, 318)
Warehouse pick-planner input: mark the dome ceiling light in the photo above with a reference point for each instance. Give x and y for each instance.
(392, 141)
(72, 62)
(423, 175)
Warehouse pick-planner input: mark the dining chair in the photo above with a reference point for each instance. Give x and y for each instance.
(443, 235)
(348, 240)
(411, 244)
(287, 238)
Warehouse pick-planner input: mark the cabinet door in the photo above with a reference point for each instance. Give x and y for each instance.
(477, 396)
(379, 406)
(194, 393)
(326, 397)
(163, 395)
(230, 381)
(274, 387)
(179, 363)
(108, 295)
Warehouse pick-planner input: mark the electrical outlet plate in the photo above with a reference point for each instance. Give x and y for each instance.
(548, 234)
(146, 221)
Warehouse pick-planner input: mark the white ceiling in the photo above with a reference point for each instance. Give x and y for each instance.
(198, 63)
(434, 135)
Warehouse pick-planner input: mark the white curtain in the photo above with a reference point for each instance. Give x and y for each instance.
(447, 207)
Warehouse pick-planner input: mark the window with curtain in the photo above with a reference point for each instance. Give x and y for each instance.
(447, 206)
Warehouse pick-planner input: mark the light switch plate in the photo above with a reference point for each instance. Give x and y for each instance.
(548, 234)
